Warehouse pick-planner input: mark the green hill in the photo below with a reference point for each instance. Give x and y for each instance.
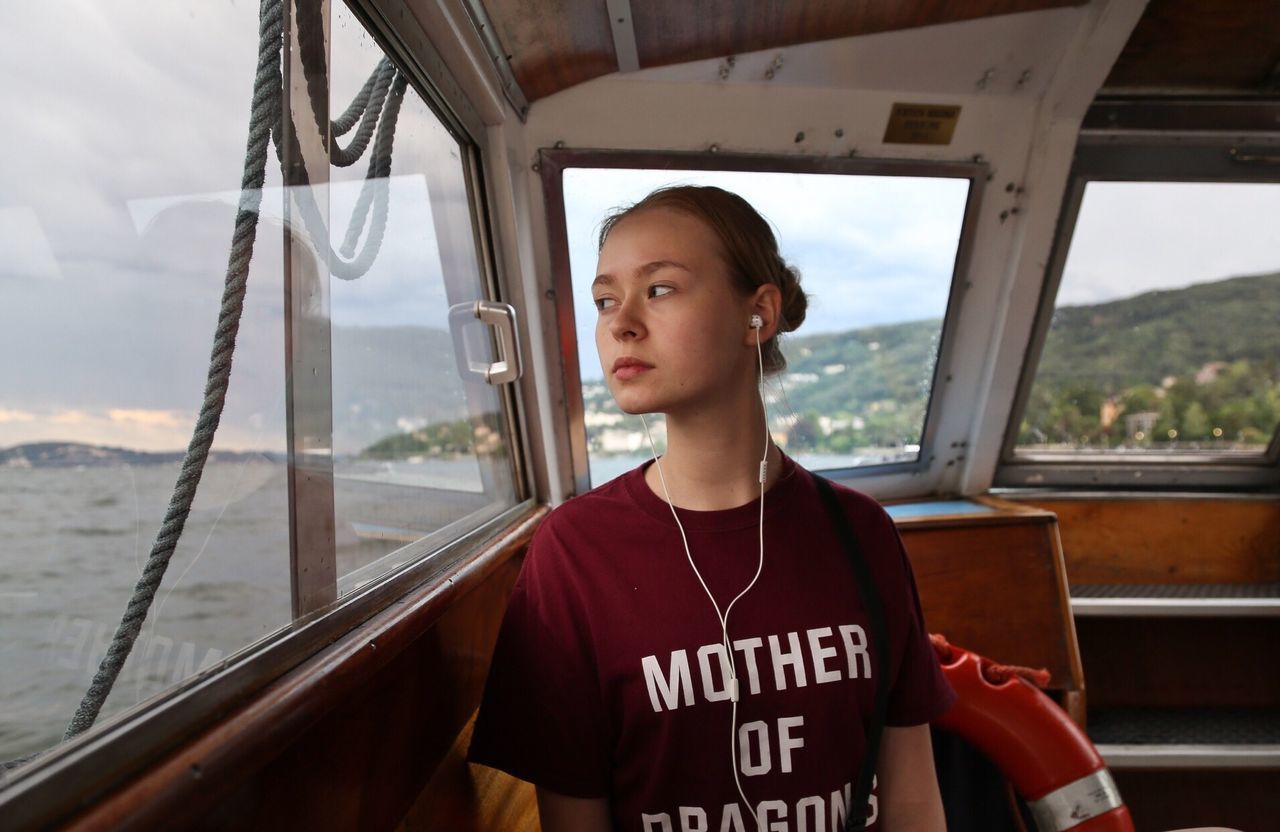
(1205, 359)
(892, 363)
(1200, 358)
(1144, 339)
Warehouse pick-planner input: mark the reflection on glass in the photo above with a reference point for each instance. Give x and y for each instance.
(1165, 335)
(417, 446)
(116, 227)
(875, 253)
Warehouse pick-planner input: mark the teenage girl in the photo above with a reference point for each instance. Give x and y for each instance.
(688, 646)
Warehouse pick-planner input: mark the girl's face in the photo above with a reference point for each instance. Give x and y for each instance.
(672, 330)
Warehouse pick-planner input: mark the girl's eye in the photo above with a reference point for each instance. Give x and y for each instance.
(604, 303)
(659, 291)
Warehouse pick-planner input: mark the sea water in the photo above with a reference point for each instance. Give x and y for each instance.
(72, 546)
(73, 542)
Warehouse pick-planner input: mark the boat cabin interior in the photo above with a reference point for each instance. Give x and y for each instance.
(341, 251)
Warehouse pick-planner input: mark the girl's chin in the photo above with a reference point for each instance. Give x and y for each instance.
(636, 402)
(638, 410)
(634, 405)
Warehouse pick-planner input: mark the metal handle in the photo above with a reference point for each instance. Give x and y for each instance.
(500, 316)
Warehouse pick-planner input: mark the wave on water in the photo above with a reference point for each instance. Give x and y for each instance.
(96, 532)
(75, 542)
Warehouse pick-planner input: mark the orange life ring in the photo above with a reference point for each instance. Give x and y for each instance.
(1050, 762)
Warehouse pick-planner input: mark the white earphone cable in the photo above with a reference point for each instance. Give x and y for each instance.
(734, 688)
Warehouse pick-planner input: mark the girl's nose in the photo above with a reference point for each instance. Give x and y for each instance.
(626, 323)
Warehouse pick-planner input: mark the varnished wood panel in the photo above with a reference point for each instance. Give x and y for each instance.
(998, 589)
(555, 44)
(1170, 540)
(1183, 662)
(1164, 800)
(1209, 44)
(349, 738)
(1007, 512)
(676, 31)
(468, 798)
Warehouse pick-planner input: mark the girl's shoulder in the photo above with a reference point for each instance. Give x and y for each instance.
(593, 516)
(862, 510)
(608, 498)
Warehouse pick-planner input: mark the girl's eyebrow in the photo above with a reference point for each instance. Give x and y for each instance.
(646, 269)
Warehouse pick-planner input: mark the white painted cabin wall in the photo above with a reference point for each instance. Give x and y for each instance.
(448, 27)
(622, 113)
(1095, 45)
(1025, 131)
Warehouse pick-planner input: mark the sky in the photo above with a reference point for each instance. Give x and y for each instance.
(116, 225)
(1134, 237)
(870, 249)
(116, 222)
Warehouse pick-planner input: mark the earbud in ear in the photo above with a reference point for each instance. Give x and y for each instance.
(756, 322)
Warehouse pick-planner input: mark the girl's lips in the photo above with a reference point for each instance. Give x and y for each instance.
(629, 371)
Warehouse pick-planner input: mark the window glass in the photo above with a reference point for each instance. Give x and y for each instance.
(417, 444)
(1164, 338)
(876, 254)
(117, 229)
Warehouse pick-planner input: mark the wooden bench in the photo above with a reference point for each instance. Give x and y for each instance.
(992, 579)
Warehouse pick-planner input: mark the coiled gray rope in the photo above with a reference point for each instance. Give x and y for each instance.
(376, 105)
(368, 104)
(376, 184)
(357, 107)
(374, 191)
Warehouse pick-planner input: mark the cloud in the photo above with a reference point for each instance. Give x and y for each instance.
(25, 246)
(142, 429)
(70, 417)
(8, 415)
(147, 430)
(1135, 237)
(164, 419)
(127, 190)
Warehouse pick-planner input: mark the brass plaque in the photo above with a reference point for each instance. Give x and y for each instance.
(921, 124)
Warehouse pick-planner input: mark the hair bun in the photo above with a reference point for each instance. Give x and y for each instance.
(795, 303)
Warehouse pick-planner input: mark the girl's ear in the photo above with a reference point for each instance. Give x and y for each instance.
(766, 302)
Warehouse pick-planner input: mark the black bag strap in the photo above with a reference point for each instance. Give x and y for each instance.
(857, 809)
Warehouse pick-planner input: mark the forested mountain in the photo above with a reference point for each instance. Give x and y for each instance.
(1200, 363)
(1144, 339)
(854, 369)
(1193, 361)
(1137, 340)
(81, 455)
(1189, 360)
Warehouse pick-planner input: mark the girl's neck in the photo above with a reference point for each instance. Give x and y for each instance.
(713, 459)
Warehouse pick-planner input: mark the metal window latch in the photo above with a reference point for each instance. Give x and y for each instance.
(1251, 157)
(502, 317)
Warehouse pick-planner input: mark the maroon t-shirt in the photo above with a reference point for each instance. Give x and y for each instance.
(610, 677)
